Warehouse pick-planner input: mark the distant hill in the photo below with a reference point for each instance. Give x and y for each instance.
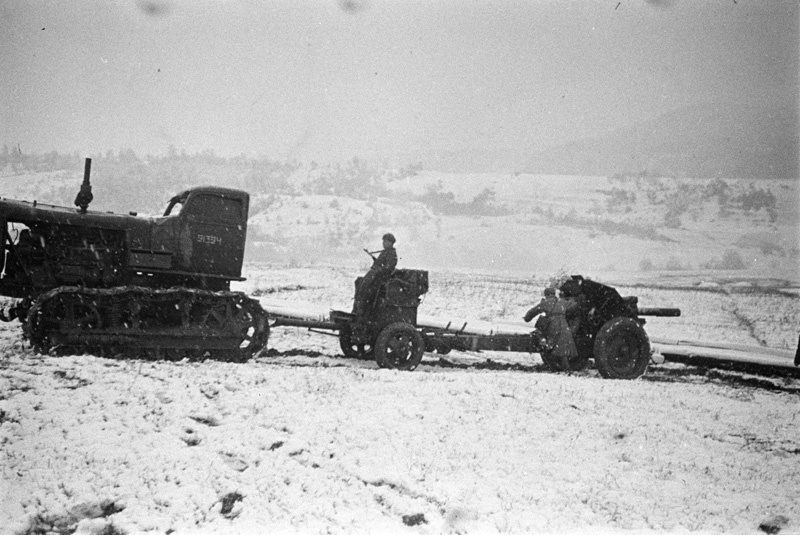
(491, 222)
(722, 140)
(704, 141)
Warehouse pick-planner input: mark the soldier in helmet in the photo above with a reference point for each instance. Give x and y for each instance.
(382, 268)
(558, 336)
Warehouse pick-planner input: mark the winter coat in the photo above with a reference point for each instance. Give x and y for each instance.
(384, 264)
(555, 327)
(382, 268)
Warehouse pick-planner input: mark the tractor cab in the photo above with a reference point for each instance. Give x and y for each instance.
(201, 235)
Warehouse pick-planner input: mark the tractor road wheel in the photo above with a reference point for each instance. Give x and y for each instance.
(352, 349)
(621, 349)
(252, 324)
(399, 346)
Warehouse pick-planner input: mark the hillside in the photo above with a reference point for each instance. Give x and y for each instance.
(493, 222)
(700, 140)
(552, 223)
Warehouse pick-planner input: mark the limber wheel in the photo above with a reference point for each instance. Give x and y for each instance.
(621, 349)
(352, 349)
(399, 346)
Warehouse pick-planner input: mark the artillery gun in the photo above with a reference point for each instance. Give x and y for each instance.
(608, 328)
(605, 326)
(111, 283)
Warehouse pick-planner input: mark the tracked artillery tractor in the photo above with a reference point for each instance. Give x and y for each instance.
(123, 284)
(606, 327)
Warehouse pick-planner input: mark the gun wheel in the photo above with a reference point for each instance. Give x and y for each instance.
(399, 346)
(352, 349)
(621, 349)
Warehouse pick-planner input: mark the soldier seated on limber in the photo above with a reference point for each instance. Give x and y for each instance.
(382, 268)
(558, 337)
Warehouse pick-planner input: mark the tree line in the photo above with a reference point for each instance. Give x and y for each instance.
(124, 181)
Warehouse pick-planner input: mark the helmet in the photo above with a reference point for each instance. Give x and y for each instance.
(549, 291)
(389, 237)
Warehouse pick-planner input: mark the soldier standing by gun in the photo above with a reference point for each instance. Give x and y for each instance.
(559, 341)
(382, 268)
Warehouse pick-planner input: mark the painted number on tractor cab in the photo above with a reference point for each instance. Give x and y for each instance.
(209, 239)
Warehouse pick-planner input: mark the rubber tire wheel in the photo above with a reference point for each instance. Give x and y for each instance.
(621, 349)
(399, 346)
(352, 350)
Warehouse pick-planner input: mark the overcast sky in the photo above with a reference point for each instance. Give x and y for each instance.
(333, 79)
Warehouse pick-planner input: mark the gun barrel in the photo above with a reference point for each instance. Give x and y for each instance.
(658, 311)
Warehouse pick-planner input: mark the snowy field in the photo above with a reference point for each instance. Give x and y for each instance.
(302, 440)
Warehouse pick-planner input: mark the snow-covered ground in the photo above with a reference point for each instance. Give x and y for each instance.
(302, 440)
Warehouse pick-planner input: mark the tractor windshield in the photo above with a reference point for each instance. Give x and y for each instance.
(175, 204)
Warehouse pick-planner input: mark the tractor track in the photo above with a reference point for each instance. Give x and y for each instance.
(124, 322)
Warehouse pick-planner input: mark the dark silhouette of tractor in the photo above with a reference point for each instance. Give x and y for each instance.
(110, 283)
